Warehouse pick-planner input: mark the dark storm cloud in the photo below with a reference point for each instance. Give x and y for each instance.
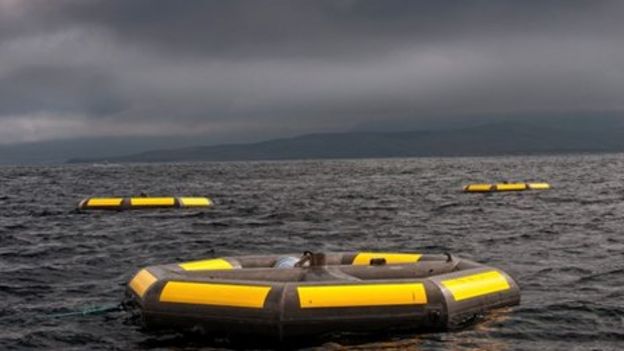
(59, 88)
(232, 69)
(235, 29)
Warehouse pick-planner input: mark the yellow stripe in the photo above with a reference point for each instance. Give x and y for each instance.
(539, 186)
(141, 282)
(104, 202)
(361, 295)
(476, 285)
(213, 264)
(195, 201)
(511, 186)
(152, 201)
(363, 258)
(215, 294)
(478, 187)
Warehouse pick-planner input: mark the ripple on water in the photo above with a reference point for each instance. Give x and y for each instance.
(563, 246)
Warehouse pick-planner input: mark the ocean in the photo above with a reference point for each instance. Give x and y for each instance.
(564, 246)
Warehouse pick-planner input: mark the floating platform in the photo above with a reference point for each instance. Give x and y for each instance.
(128, 203)
(486, 188)
(283, 297)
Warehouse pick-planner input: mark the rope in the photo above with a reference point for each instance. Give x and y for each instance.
(90, 311)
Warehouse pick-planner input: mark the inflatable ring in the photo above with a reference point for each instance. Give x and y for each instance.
(283, 297)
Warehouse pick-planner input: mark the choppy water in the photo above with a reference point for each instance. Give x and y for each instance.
(565, 247)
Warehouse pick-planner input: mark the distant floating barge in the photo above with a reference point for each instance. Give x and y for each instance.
(499, 187)
(142, 202)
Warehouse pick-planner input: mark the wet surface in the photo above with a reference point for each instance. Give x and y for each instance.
(563, 246)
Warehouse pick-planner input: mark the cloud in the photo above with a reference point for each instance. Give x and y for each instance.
(240, 70)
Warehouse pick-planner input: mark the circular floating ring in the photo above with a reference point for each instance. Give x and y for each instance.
(358, 291)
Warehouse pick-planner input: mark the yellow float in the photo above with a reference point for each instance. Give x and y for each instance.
(487, 187)
(141, 202)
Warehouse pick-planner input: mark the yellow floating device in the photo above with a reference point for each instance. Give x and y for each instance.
(287, 297)
(487, 187)
(136, 202)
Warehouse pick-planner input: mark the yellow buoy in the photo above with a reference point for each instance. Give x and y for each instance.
(511, 187)
(495, 187)
(538, 186)
(478, 188)
(136, 202)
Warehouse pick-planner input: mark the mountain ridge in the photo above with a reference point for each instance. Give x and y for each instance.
(499, 138)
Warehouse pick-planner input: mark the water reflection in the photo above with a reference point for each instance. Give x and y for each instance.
(477, 337)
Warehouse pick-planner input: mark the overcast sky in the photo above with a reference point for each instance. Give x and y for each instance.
(250, 70)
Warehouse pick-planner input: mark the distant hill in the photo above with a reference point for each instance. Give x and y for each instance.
(59, 151)
(503, 138)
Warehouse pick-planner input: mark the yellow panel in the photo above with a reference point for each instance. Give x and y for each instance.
(213, 264)
(478, 188)
(363, 258)
(215, 294)
(104, 202)
(152, 201)
(141, 282)
(195, 201)
(511, 186)
(361, 295)
(539, 186)
(476, 285)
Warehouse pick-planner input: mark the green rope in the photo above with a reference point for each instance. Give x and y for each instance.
(89, 311)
